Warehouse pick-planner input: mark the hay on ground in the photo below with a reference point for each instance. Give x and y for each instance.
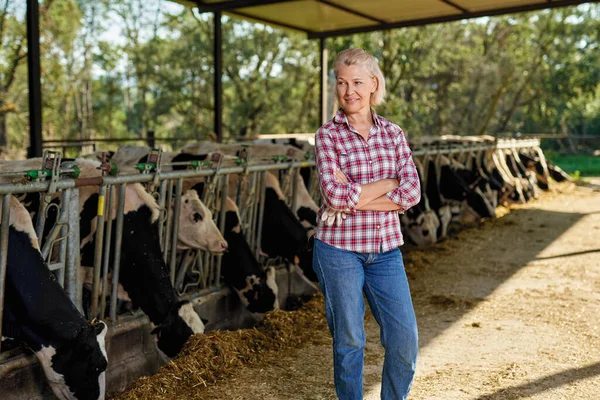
(208, 358)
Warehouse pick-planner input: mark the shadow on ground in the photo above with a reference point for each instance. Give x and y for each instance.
(547, 383)
(492, 252)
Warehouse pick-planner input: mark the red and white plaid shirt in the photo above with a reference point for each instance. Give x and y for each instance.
(384, 155)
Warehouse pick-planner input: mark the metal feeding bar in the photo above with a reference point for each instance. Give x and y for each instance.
(52, 168)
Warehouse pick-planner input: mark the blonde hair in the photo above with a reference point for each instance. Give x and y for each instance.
(361, 57)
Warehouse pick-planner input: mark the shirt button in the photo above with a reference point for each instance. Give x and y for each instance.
(378, 226)
(371, 161)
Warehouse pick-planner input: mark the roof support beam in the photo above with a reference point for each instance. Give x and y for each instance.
(453, 4)
(266, 21)
(324, 74)
(351, 11)
(447, 18)
(233, 4)
(218, 84)
(35, 86)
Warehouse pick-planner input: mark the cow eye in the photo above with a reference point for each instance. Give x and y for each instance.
(197, 217)
(186, 201)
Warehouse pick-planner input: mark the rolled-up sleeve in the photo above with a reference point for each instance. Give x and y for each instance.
(337, 196)
(408, 192)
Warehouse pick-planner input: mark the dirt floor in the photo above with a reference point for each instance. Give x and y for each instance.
(506, 310)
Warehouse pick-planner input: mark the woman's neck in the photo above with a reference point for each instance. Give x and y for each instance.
(360, 119)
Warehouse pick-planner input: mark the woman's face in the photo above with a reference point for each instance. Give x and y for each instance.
(354, 87)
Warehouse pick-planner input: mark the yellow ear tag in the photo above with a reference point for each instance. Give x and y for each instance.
(101, 205)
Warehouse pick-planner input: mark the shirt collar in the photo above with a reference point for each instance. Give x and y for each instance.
(341, 118)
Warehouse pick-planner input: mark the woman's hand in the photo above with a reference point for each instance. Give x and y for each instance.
(340, 177)
(331, 216)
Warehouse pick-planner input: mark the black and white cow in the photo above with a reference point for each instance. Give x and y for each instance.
(519, 172)
(39, 314)
(557, 173)
(535, 162)
(256, 287)
(420, 223)
(512, 191)
(435, 198)
(476, 176)
(495, 178)
(240, 269)
(143, 272)
(469, 202)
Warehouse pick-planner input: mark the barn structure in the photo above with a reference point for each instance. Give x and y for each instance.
(132, 351)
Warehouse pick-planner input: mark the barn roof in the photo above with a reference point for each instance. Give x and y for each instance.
(326, 18)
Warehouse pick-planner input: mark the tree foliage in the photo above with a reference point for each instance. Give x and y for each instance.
(118, 68)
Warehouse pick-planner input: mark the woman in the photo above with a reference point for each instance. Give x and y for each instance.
(367, 176)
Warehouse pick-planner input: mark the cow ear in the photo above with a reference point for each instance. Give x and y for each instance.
(99, 327)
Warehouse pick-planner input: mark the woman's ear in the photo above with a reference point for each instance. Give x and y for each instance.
(375, 84)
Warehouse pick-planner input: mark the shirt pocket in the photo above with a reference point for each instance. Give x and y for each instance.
(354, 166)
(387, 164)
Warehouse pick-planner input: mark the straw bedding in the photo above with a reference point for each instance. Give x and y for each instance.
(213, 356)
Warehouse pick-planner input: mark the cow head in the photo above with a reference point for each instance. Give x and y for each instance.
(257, 289)
(197, 229)
(453, 186)
(534, 165)
(479, 203)
(76, 369)
(180, 323)
(421, 226)
(260, 293)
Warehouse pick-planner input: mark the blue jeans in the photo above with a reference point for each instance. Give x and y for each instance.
(344, 276)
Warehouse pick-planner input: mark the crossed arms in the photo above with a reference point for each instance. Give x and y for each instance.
(373, 196)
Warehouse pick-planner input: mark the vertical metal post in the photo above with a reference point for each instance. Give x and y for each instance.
(261, 212)
(98, 250)
(35, 86)
(183, 267)
(175, 232)
(163, 212)
(73, 286)
(5, 220)
(106, 258)
(205, 262)
(150, 138)
(62, 248)
(295, 176)
(324, 85)
(218, 86)
(117, 251)
(252, 212)
(41, 218)
(224, 187)
(169, 223)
